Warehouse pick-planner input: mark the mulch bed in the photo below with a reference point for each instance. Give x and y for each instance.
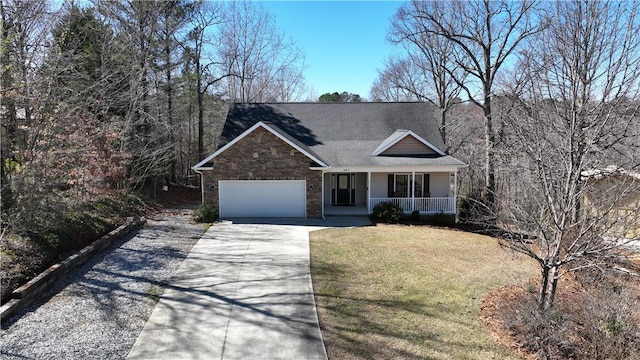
(502, 302)
(493, 306)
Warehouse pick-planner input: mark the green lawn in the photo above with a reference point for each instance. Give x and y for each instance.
(390, 292)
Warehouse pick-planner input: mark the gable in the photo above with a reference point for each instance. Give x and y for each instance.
(408, 145)
(258, 128)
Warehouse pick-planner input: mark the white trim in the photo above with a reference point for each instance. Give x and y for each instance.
(411, 183)
(395, 183)
(430, 205)
(455, 185)
(396, 169)
(368, 192)
(353, 176)
(382, 149)
(413, 189)
(201, 185)
(261, 124)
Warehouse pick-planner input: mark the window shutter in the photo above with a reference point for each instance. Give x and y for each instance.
(425, 184)
(390, 185)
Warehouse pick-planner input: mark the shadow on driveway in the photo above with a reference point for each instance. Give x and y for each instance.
(244, 291)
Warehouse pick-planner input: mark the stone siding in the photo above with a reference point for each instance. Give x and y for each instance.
(263, 156)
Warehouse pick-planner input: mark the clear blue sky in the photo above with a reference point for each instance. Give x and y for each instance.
(344, 42)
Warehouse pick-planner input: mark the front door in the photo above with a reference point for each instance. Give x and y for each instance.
(345, 193)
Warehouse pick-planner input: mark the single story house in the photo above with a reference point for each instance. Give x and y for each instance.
(318, 159)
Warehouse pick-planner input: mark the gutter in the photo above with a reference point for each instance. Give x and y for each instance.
(201, 184)
(325, 170)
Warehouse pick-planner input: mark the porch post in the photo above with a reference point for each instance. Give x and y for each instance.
(368, 192)
(413, 190)
(455, 190)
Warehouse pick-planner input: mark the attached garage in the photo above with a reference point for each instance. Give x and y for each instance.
(262, 198)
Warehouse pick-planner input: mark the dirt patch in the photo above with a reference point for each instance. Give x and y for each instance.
(177, 196)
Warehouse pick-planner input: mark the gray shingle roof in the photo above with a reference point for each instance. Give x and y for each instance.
(342, 134)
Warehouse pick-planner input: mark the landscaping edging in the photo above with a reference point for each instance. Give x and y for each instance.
(30, 291)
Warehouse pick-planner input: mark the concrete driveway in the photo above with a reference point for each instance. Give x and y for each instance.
(243, 292)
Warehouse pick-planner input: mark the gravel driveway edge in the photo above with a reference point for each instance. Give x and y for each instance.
(98, 310)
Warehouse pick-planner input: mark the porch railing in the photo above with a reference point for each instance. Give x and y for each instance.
(430, 205)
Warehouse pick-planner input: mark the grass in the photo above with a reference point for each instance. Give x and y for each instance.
(154, 293)
(392, 292)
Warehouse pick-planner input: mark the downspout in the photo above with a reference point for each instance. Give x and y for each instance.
(322, 194)
(201, 184)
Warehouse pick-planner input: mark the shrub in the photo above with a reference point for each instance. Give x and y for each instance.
(610, 322)
(415, 215)
(205, 213)
(387, 212)
(600, 322)
(43, 228)
(442, 219)
(546, 333)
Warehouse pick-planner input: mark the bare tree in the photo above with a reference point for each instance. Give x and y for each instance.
(208, 70)
(400, 80)
(483, 36)
(415, 79)
(574, 108)
(173, 19)
(135, 24)
(264, 65)
(431, 71)
(70, 154)
(23, 42)
(25, 31)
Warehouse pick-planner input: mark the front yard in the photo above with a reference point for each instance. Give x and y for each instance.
(390, 292)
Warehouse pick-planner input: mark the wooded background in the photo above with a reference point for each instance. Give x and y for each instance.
(103, 99)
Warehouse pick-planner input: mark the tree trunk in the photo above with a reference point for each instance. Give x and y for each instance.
(9, 142)
(552, 289)
(443, 127)
(172, 131)
(544, 284)
(490, 138)
(201, 153)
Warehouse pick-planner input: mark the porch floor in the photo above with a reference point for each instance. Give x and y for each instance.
(360, 209)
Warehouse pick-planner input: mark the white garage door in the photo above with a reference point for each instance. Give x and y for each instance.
(262, 198)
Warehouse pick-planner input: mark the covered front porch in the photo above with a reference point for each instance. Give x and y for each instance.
(356, 192)
(353, 210)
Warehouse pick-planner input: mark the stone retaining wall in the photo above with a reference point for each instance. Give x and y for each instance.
(30, 291)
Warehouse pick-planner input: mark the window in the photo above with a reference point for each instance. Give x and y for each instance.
(418, 185)
(400, 185)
